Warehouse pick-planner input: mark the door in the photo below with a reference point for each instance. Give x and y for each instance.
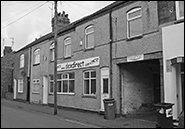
(15, 89)
(105, 88)
(45, 90)
(28, 89)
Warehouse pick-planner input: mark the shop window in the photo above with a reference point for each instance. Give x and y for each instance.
(67, 47)
(22, 61)
(179, 9)
(52, 52)
(89, 37)
(37, 56)
(66, 83)
(89, 78)
(134, 23)
(20, 86)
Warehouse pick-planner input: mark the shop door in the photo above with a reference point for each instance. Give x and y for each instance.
(105, 87)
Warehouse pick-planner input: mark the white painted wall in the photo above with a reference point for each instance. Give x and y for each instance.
(173, 46)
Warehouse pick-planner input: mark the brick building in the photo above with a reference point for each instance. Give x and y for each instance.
(115, 52)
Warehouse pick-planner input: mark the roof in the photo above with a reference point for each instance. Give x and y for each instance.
(76, 23)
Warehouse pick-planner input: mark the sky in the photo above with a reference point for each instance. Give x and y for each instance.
(23, 21)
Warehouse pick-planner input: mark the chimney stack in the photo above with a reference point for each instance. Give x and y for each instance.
(7, 50)
(63, 21)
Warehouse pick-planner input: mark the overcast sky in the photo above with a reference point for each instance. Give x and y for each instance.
(26, 20)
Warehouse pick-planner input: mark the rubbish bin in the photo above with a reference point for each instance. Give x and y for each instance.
(109, 105)
(164, 114)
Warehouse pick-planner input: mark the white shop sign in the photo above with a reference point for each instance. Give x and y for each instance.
(95, 61)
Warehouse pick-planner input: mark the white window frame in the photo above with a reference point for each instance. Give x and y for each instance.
(178, 17)
(22, 61)
(37, 56)
(66, 79)
(52, 52)
(66, 43)
(90, 78)
(131, 19)
(20, 85)
(88, 33)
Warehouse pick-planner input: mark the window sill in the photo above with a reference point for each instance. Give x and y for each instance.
(89, 96)
(179, 21)
(66, 94)
(135, 37)
(35, 92)
(89, 49)
(67, 57)
(36, 64)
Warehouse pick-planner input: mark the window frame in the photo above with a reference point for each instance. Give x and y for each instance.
(178, 17)
(22, 58)
(50, 84)
(90, 78)
(88, 33)
(67, 44)
(66, 79)
(37, 55)
(20, 81)
(52, 51)
(132, 19)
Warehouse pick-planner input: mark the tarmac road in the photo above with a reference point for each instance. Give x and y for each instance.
(17, 118)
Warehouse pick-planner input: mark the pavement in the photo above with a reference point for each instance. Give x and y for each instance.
(95, 120)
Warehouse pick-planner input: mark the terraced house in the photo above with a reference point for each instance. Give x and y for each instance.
(116, 52)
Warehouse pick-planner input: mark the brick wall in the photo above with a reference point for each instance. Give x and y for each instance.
(7, 62)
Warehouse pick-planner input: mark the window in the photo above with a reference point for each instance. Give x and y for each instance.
(89, 82)
(179, 9)
(22, 61)
(36, 85)
(51, 84)
(37, 56)
(52, 52)
(89, 37)
(134, 23)
(20, 86)
(66, 83)
(67, 47)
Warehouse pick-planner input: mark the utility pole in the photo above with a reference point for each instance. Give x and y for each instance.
(55, 60)
(111, 40)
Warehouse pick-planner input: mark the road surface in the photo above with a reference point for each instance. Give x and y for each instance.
(18, 118)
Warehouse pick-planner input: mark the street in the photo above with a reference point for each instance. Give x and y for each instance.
(17, 118)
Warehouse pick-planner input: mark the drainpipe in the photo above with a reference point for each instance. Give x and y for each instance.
(111, 39)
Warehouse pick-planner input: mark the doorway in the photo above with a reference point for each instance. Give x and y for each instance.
(15, 89)
(105, 87)
(45, 90)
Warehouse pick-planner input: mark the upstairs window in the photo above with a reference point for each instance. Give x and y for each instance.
(179, 9)
(134, 23)
(37, 56)
(67, 47)
(22, 61)
(89, 37)
(52, 52)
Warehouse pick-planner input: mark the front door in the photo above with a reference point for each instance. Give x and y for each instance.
(15, 89)
(105, 88)
(45, 90)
